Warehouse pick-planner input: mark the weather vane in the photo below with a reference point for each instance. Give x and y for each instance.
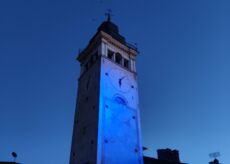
(109, 14)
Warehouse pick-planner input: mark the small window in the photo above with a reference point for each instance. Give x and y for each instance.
(96, 53)
(92, 60)
(95, 56)
(84, 130)
(86, 66)
(126, 63)
(110, 54)
(118, 58)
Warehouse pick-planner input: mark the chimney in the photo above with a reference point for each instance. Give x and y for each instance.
(168, 155)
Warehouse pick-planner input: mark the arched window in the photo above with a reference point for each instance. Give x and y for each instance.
(110, 54)
(126, 64)
(118, 58)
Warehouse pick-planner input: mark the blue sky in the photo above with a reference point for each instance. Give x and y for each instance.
(183, 73)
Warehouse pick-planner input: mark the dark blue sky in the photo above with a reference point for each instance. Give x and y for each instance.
(183, 69)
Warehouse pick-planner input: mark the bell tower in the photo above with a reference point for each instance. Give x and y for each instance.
(107, 121)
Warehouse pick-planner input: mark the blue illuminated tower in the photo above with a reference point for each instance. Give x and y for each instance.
(107, 121)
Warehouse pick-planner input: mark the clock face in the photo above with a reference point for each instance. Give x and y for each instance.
(120, 80)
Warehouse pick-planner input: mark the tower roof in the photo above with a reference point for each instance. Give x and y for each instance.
(111, 29)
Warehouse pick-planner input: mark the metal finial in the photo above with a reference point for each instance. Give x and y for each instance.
(108, 14)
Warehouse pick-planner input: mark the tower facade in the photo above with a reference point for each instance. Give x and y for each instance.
(107, 121)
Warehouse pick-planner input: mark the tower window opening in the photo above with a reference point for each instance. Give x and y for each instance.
(95, 56)
(86, 66)
(92, 60)
(84, 130)
(110, 55)
(126, 63)
(118, 58)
